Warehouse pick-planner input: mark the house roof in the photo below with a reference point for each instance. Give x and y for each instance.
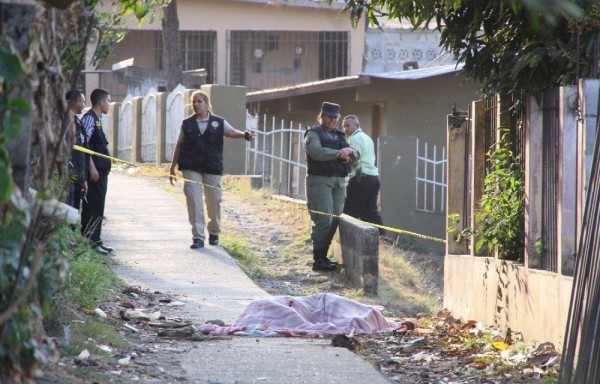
(416, 74)
(348, 82)
(336, 4)
(307, 88)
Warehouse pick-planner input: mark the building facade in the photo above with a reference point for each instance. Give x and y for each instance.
(255, 43)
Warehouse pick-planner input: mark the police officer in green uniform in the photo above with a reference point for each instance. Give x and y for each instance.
(328, 158)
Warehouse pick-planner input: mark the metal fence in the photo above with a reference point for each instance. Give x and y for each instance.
(277, 154)
(430, 185)
(550, 156)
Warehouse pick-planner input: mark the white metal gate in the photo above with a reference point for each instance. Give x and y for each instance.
(277, 154)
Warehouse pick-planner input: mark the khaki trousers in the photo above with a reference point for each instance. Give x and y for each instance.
(205, 187)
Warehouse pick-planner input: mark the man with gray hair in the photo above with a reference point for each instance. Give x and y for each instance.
(363, 185)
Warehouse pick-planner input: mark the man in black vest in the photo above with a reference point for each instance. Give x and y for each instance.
(78, 166)
(92, 212)
(328, 158)
(199, 155)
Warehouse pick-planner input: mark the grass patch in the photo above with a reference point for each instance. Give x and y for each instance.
(89, 281)
(405, 287)
(250, 262)
(89, 335)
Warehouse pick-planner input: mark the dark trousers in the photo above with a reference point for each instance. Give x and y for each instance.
(74, 199)
(93, 210)
(325, 195)
(361, 200)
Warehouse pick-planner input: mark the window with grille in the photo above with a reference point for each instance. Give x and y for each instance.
(198, 50)
(271, 59)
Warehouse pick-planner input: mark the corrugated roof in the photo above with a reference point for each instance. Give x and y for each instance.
(307, 88)
(348, 82)
(416, 74)
(336, 5)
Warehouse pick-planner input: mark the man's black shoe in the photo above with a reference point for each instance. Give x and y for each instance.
(100, 250)
(213, 239)
(331, 261)
(197, 244)
(106, 248)
(323, 265)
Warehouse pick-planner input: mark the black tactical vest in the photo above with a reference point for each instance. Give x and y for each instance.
(98, 143)
(202, 152)
(334, 140)
(79, 160)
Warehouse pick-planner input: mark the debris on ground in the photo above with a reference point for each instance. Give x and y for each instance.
(444, 349)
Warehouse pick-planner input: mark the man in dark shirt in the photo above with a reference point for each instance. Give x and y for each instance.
(93, 209)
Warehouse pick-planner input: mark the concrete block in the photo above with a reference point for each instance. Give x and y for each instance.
(357, 246)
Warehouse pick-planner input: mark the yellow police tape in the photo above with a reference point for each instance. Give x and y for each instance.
(389, 229)
(350, 218)
(90, 152)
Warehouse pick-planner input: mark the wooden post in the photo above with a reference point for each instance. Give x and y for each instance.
(478, 149)
(457, 173)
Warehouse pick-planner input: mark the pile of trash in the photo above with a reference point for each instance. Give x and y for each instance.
(443, 349)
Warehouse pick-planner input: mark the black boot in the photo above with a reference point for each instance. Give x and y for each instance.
(323, 265)
(322, 254)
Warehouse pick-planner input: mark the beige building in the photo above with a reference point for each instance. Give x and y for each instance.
(404, 113)
(256, 43)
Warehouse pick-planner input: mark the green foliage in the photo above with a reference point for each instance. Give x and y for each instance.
(108, 27)
(502, 208)
(92, 333)
(89, 279)
(248, 260)
(33, 251)
(11, 109)
(28, 280)
(509, 46)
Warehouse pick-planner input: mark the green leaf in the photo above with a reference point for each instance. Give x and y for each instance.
(19, 105)
(10, 66)
(6, 183)
(11, 125)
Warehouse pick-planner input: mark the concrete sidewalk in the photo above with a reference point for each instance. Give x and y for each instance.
(148, 228)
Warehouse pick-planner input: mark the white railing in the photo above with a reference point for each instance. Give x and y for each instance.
(277, 154)
(430, 185)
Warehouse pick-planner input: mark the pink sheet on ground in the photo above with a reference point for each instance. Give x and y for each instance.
(315, 315)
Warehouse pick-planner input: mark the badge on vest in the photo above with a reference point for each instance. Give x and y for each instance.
(215, 124)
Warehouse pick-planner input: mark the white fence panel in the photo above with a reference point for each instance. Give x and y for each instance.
(149, 127)
(125, 132)
(175, 114)
(277, 154)
(430, 193)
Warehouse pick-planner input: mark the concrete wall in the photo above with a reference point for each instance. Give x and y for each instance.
(507, 294)
(357, 246)
(521, 295)
(229, 102)
(388, 50)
